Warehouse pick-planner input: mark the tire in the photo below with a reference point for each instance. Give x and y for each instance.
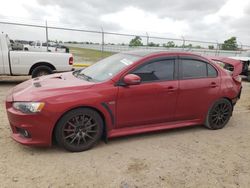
(248, 77)
(41, 71)
(79, 130)
(219, 114)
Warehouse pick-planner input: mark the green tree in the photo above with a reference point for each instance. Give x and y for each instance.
(170, 44)
(137, 41)
(230, 44)
(198, 46)
(211, 47)
(153, 44)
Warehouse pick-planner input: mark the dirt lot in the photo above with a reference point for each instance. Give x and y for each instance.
(189, 157)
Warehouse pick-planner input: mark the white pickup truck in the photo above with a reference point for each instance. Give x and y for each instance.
(38, 46)
(31, 63)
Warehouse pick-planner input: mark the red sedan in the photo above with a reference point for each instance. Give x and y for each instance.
(124, 94)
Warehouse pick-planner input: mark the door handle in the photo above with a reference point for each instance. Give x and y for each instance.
(213, 85)
(171, 89)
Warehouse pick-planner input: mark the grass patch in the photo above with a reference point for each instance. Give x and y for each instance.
(88, 56)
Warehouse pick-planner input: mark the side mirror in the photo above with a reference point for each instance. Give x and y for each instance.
(132, 79)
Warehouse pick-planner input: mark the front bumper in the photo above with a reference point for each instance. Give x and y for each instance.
(38, 127)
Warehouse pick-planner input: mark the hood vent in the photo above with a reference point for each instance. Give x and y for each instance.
(37, 84)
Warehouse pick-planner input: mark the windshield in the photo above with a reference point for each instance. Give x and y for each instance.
(106, 68)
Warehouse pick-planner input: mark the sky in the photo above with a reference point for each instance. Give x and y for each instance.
(209, 20)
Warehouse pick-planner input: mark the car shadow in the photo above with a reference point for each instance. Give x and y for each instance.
(13, 79)
(55, 149)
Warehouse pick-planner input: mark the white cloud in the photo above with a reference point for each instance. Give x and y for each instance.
(135, 19)
(233, 9)
(13, 7)
(208, 20)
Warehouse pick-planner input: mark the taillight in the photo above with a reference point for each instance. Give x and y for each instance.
(71, 60)
(237, 78)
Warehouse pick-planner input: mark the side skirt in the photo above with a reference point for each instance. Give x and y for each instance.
(151, 128)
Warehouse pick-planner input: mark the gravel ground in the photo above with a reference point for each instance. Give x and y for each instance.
(186, 157)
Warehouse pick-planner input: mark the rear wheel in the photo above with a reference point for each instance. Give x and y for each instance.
(219, 114)
(248, 77)
(41, 71)
(79, 130)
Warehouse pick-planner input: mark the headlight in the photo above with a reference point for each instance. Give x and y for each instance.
(29, 107)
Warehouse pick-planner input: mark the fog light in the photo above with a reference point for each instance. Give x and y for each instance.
(23, 132)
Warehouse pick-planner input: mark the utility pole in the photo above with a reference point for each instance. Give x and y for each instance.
(102, 41)
(47, 37)
(147, 38)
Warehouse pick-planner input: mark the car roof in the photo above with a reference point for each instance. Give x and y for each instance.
(149, 52)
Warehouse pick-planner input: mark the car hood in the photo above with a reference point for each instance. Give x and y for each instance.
(48, 86)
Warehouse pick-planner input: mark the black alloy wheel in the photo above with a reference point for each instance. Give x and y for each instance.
(219, 114)
(79, 129)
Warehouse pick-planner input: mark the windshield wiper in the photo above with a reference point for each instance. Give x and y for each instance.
(88, 78)
(78, 74)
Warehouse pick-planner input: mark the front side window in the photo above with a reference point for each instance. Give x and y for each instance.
(159, 70)
(197, 69)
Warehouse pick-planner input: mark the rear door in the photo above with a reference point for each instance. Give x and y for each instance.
(153, 100)
(198, 89)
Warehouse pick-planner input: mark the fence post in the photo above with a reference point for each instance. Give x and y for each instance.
(217, 48)
(102, 41)
(147, 39)
(241, 47)
(183, 44)
(47, 37)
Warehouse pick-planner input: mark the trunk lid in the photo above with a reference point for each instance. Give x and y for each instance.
(233, 65)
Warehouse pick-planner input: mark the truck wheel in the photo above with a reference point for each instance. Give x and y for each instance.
(41, 71)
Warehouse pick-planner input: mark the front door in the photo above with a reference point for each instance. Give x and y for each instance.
(153, 100)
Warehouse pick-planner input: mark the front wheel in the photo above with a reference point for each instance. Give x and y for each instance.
(219, 114)
(79, 129)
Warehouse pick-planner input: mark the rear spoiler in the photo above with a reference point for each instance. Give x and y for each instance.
(236, 64)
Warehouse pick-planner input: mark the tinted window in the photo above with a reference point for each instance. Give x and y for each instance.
(159, 70)
(211, 71)
(193, 69)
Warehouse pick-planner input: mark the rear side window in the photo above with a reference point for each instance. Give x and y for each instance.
(197, 69)
(211, 72)
(158, 70)
(193, 69)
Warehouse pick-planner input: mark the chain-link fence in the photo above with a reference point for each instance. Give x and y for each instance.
(116, 42)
